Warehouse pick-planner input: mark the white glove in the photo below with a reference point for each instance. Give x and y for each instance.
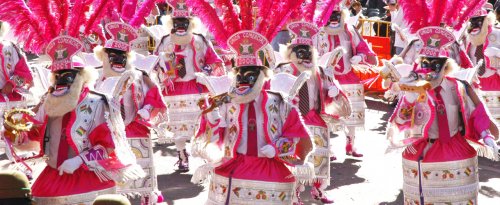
(144, 113)
(213, 116)
(355, 60)
(70, 165)
(268, 151)
(333, 91)
(488, 140)
(411, 96)
(491, 52)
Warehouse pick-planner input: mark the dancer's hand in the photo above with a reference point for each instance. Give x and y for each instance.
(268, 151)
(70, 165)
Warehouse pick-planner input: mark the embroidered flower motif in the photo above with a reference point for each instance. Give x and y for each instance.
(261, 195)
(236, 191)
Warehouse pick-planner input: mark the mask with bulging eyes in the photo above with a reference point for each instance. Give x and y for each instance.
(180, 26)
(476, 23)
(304, 55)
(335, 18)
(117, 60)
(430, 68)
(245, 79)
(63, 81)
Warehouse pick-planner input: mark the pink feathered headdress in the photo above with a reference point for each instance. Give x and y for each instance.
(270, 18)
(423, 13)
(37, 23)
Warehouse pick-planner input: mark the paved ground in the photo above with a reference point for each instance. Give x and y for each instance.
(376, 179)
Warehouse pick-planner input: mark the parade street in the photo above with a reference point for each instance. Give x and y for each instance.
(374, 179)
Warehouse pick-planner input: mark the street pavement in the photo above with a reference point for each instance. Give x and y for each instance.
(374, 179)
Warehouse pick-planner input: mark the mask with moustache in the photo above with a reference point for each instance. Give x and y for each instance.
(477, 30)
(115, 62)
(432, 69)
(181, 33)
(335, 23)
(302, 57)
(248, 84)
(65, 93)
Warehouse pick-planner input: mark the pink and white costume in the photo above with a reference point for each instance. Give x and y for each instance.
(89, 138)
(326, 103)
(357, 51)
(489, 81)
(139, 102)
(14, 71)
(259, 137)
(180, 88)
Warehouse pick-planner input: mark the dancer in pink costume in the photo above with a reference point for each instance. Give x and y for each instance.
(337, 33)
(182, 55)
(320, 102)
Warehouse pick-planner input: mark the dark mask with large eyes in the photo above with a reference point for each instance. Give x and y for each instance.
(63, 81)
(430, 67)
(476, 24)
(180, 26)
(117, 60)
(245, 79)
(335, 17)
(302, 52)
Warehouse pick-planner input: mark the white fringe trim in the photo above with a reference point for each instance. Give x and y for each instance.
(202, 174)
(304, 174)
(485, 151)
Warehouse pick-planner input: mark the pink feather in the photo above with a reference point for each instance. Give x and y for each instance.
(246, 14)
(207, 14)
(128, 9)
(264, 12)
(41, 8)
(230, 18)
(326, 11)
(415, 13)
(438, 8)
(472, 6)
(146, 7)
(61, 8)
(25, 25)
(309, 9)
(97, 15)
(453, 12)
(77, 17)
(283, 17)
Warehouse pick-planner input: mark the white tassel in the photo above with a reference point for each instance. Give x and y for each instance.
(485, 151)
(304, 173)
(202, 174)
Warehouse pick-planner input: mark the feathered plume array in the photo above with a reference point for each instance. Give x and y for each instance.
(207, 14)
(26, 26)
(146, 7)
(37, 23)
(326, 11)
(451, 12)
(271, 16)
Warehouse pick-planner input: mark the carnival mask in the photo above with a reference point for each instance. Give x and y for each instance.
(117, 60)
(245, 79)
(63, 81)
(180, 26)
(304, 55)
(335, 18)
(430, 68)
(475, 25)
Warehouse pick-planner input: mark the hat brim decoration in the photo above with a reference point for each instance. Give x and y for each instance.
(179, 8)
(303, 32)
(246, 44)
(61, 51)
(434, 39)
(122, 36)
